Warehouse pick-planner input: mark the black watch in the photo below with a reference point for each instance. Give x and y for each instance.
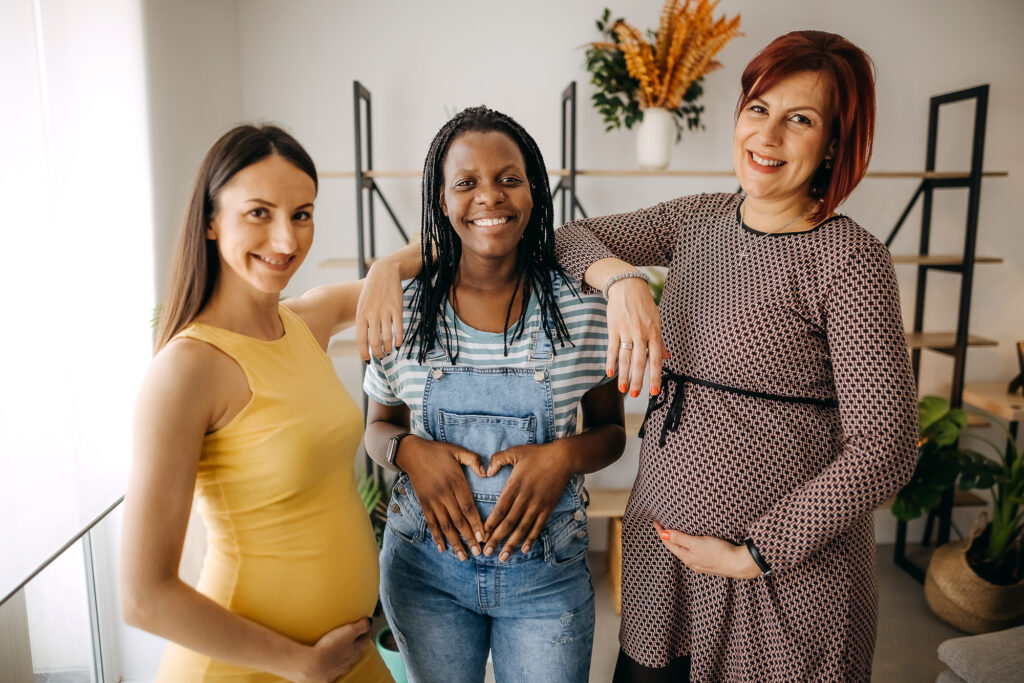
(393, 448)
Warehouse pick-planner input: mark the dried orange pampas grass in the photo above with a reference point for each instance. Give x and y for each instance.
(688, 40)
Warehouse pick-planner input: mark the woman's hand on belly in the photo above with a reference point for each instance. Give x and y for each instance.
(540, 473)
(435, 470)
(336, 652)
(709, 555)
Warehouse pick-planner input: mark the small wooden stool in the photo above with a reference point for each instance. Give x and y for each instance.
(610, 504)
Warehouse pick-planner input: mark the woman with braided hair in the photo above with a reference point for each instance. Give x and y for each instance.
(485, 549)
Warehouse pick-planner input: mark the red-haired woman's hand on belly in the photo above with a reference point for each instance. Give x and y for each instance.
(435, 470)
(540, 473)
(709, 555)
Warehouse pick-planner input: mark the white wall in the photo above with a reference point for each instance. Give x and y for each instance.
(422, 60)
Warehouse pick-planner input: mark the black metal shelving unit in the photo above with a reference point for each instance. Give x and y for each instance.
(939, 520)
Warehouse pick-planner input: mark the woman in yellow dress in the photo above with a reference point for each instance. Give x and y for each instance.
(241, 407)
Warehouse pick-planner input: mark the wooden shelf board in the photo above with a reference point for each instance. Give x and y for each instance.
(342, 263)
(941, 341)
(975, 421)
(606, 503)
(993, 399)
(343, 348)
(961, 499)
(668, 173)
(939, 259)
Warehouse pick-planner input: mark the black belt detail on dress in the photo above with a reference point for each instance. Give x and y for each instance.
(675, 413)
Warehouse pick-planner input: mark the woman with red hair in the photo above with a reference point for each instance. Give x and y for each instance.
(783, 407)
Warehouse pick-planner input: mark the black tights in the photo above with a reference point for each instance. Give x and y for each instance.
(628, 671)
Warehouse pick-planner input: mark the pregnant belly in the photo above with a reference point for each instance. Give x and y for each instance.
(731, 459)
(318, 578)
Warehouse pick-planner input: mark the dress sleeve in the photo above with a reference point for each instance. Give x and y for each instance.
(877, 409)
(646, 237)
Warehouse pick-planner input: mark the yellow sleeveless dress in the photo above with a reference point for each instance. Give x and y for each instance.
(289, 543)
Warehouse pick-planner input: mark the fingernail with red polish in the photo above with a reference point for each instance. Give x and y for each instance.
(655, 391)
(622, 388)
(634, 393)
(611, 373)
(665, 535)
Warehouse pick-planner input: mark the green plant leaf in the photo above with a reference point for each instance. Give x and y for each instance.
(930, 409)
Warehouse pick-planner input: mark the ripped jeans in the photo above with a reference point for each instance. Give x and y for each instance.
(534, 613)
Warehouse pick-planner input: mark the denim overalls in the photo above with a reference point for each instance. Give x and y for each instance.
(535, 612)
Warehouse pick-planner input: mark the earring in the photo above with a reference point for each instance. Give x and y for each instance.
(828, 164)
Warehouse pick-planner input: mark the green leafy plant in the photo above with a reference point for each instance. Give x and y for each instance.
(941, 464)
(373, 490)
(998, 554)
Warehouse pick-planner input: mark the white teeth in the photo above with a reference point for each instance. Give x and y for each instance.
(272, 261)
(765, 162)
(490, 222)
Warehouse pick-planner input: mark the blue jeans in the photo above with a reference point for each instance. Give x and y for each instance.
(535, 612)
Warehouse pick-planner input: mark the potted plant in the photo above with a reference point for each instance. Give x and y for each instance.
(977, 584)
(657, 81)
(373, 490)
(941, 464)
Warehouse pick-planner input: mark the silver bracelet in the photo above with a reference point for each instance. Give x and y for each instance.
(624, 276)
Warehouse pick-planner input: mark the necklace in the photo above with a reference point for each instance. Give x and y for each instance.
(748, 241)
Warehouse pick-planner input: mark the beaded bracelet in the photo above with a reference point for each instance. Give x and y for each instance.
(624, 276)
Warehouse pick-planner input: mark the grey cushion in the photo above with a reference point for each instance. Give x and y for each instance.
(948, 676)
(989, 658)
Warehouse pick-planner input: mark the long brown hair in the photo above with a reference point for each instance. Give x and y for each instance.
(196, 262)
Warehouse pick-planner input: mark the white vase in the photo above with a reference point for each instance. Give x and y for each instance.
(654, 139)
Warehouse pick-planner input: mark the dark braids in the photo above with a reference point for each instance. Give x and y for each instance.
(535, 260)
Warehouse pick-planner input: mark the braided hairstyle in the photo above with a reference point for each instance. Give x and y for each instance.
(535, 258)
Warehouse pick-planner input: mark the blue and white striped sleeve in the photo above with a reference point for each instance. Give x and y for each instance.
(377, 381)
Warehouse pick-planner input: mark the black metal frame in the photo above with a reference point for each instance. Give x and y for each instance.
(566, 185)
(366, 186)
(925, 191)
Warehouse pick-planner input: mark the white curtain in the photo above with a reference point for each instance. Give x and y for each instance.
(76, 266)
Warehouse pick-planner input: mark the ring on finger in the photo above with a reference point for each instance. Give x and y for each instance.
(628, 346)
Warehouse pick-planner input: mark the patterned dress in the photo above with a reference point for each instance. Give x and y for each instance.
(788, 413)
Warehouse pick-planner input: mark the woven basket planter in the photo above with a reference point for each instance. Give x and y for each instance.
(966, 601)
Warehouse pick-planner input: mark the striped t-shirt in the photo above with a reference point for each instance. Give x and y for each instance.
(574, 370)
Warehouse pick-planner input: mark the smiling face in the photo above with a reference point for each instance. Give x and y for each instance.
(782, 136)
(486, 194)
(263, 223)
